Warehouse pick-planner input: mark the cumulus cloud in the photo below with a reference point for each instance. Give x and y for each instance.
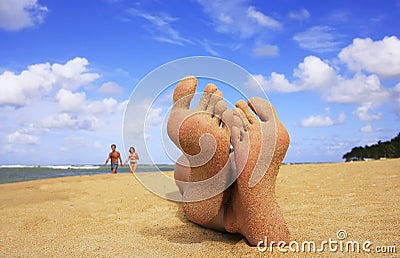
(311, 74)
(111, 89)
(359, 89)
(71, 102)
(237, 17)
(19, 14)
(20, 137)
(39, 79)
(381, 57)
(52, 98)
(139, 114)
(322, 120)
(319, 39)
(362, 112)
(276, 82)
(78, 103)
(45, 102)
(367, 90)
(67, 121)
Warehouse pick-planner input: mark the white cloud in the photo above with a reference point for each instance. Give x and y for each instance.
(300, 15)
(154, 116)
(77, 103)
(359, 89)
(366, 129)
(322, 120)
(19, 137)
(319, 39)
(66, 121)
(161, 28)
(111, 89)
(141, 115)
(236, 17)
(276, 82)
(318, 75)
(262, 19)
(19, 14)
(266, 51)
(314, 73)
(55, 104)
(207, 47)
(316, 121)
(105, 106)
(39, 79)
(73, 74)
(381, 57)
(362, 113)
(311, 74)
(71, 102)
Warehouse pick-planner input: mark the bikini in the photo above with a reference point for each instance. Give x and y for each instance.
(132, 158)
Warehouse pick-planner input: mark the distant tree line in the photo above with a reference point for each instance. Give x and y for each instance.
(388, 149)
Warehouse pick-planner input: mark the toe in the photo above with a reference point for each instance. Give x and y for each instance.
(214, 99)
(205, 99)
(262, 108)
(219, 109)
(235, 136)
(231, 118)
(184, 92)
(248, 116)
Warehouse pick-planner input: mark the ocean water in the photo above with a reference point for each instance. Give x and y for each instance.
(18, 173)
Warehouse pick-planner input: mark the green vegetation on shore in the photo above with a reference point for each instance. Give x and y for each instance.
(387, 149)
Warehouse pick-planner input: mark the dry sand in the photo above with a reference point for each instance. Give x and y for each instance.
(114, 215)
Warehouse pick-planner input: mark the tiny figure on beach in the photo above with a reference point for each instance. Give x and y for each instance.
(132, 159)
(251, 128)
(114, 155)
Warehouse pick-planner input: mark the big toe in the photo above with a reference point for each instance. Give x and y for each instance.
(184, 92)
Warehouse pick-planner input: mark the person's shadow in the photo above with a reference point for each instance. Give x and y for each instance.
(189, 232)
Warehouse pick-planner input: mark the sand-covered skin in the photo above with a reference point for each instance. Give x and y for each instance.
(113, 215)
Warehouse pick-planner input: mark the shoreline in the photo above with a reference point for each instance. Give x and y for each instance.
(10, 174)
(77, 171)
(114, 215)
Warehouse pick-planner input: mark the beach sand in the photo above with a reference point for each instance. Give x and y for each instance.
(114, 215)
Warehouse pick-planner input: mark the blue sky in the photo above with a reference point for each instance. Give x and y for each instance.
(68, 69)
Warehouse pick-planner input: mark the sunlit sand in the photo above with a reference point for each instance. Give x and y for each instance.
(114, 215)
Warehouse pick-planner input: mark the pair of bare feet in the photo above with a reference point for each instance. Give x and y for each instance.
(238, 195)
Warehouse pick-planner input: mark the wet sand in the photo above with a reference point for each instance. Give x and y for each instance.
(114, 215)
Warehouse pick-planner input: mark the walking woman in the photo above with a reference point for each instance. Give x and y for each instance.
(132, 158)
